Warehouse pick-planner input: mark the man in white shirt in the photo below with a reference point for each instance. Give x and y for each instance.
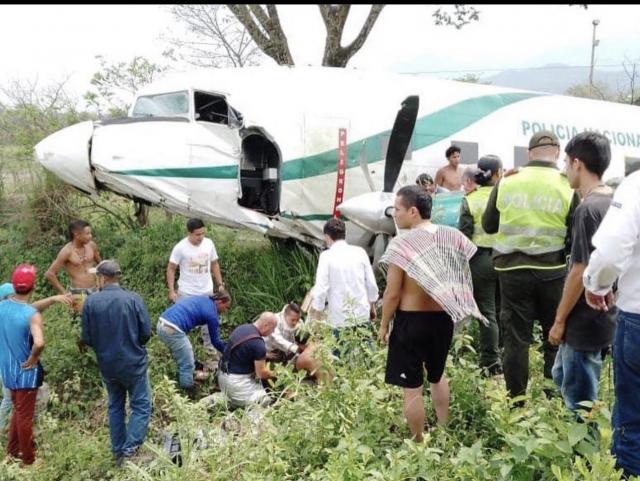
(617, 256)
(345, 282)
(285, 345)
(197, 258)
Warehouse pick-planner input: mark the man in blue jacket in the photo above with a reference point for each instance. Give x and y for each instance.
(183, 316)
(115, 323)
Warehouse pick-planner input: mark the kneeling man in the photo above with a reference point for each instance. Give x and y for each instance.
(284, 345)
(243, 364)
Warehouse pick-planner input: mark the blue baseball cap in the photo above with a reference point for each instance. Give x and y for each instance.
(6, 290)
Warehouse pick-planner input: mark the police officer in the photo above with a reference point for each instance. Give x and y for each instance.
(530, 213)
(483, 274)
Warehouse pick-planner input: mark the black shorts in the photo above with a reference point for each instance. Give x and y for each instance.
(418, 339)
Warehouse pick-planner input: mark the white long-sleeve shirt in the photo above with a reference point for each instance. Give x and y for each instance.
(345, 281)
(617, 248)
(283, 336)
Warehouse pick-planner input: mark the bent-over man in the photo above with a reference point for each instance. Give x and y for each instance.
(183, 316)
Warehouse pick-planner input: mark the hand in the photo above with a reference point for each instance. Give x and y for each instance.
(221, 288)
(556, 334)
(173, 297)
(510, 172)
(30, 363)
(383, 334)
(373, 315)
(66, 299)
(600, 303)
(300, 348)
(82, 346)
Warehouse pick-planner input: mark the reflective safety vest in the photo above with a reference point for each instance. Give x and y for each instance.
(533, 205)
(477, 201)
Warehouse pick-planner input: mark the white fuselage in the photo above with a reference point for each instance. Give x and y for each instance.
(285, 149)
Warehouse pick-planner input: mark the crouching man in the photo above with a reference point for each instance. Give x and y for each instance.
(284, 345)
(183, 316)
(243, 364)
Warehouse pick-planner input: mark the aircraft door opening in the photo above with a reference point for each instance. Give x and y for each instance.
(260, 173)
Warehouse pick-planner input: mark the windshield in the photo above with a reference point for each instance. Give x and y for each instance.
(162, 105)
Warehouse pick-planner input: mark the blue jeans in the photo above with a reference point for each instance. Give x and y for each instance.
(5, 407)
(625, 418)
(182, 353)
(577, 375)
(126, 438)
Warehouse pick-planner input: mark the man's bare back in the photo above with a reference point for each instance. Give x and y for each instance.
(449, 177)
(414, 298)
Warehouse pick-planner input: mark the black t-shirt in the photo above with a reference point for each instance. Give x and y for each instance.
(242, 357)
(588, 329)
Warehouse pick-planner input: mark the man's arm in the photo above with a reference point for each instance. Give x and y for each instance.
(615, 241)
(96, 251)
(262, 371)
(144, 322)
(439, 180)
(171, 281)
(52, 273)
(321, 287)
(35, 326)
(44, 304)
(390, 300)
(281, 343)
(214, 331)
(491, 215)
(571, 293)
(575, 202)
(217, 275)
(465, 223)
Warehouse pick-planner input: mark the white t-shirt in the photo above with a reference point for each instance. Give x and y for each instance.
(195, 266)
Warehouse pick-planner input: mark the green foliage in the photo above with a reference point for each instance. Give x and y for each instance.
(115, 79)
(350, 429)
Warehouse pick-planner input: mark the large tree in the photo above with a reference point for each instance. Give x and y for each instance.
(219, 41)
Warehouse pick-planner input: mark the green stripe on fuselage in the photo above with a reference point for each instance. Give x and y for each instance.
(429, 129)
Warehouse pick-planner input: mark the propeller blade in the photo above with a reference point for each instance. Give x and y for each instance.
(399, 140)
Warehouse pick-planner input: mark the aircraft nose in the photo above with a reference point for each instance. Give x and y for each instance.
(368, 211)
(66, 154)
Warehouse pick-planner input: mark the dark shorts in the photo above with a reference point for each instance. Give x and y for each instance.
(418, 339)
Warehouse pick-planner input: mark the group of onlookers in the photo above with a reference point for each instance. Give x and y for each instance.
(505, 266)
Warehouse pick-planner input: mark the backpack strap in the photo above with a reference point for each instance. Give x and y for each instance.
(224, 361)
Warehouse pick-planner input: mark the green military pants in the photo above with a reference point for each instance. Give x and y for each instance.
(527, 295)
(485, 281)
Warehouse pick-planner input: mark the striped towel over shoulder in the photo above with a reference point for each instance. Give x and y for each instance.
(437, 258)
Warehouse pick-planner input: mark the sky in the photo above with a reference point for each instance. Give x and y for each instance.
(49, 43)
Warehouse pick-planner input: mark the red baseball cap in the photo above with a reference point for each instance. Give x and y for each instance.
(23, 278)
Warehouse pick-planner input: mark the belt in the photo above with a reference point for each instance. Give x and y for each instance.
(168, 326)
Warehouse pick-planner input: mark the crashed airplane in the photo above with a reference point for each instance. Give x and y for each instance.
(281, 149)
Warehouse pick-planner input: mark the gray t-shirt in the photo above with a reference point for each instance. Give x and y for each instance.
(588, 329)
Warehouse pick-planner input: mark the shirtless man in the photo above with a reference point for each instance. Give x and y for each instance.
(450, 176)
(76, 258)
(422, 330)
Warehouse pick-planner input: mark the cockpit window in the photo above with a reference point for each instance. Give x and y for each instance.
(215, 109)
(174, 104)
